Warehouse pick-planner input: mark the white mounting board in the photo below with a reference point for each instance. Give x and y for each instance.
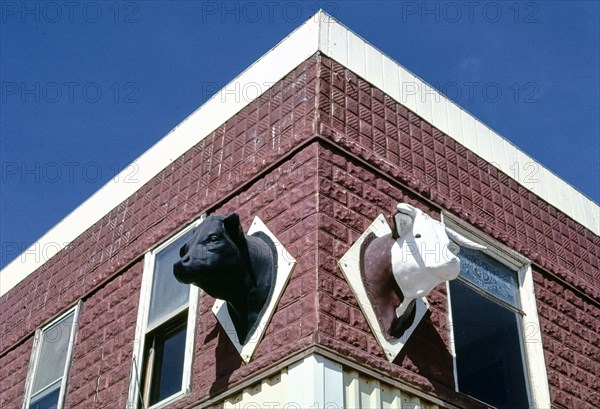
(285, 265)
(350, 266)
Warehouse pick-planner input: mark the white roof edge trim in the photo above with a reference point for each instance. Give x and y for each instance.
(365, 60)
(322, 33)
(241, 91)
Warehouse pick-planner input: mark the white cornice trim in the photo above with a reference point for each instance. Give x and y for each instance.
(273, 66)
(320, 33)
(342, 45)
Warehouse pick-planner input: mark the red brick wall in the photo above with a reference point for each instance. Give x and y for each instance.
(390, 155)
(283, 198)
(317, 158)
(13, 371)
(570, 328)
(105, 337)
(249, 164)
(351, 197)
(286, 200)
(372, 127)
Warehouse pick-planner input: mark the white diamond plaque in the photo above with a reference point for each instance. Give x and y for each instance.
(285, 265)
(350, 266)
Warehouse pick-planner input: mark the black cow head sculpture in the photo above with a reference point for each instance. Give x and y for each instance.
(229, 265)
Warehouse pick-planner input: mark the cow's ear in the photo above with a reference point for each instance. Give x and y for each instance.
(402, 224)
(183, 250)
(462, 241)
(233, 227)
(403, 219)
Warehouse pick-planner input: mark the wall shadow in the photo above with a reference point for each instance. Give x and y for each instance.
(227, 360)
(426, 353)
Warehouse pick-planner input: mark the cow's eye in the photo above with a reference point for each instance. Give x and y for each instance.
(417, 236)
(213, 238)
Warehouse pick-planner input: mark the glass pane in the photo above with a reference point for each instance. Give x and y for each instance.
(47, 400)
(168, 294)
(489, 360)
(53, 353)
(170, 353)
(489, 275)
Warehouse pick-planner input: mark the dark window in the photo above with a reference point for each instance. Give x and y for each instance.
(165, 328)
(164, 360)
(487, 337)
(47, 400)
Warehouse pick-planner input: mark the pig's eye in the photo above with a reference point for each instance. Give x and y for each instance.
(417, 236)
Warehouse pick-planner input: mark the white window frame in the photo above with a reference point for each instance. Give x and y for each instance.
(35, 355)
(142, 329)
(534, 365)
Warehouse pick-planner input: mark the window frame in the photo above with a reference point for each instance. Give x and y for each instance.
(142, 330)
(36, 351)
(534, 365)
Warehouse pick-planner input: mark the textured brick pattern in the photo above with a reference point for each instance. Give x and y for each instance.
(407, 155)
(350, 197)
(218, 166)
(317, 158)
(222, 166)
(570, 328)
(286, 200)
(371, 126)
(104, 346)
(13, 372)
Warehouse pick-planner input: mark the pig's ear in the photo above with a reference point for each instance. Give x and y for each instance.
(233, 228)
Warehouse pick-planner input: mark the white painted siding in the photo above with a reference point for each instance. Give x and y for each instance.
(364, 392)
(359, 391)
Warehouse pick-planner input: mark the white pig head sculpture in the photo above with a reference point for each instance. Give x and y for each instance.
(424, 254)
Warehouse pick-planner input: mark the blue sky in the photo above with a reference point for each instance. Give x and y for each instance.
(88, 86)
